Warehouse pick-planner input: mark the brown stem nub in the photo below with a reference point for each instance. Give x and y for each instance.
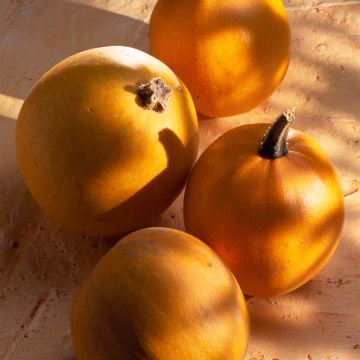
(154, 95)
(274, 143)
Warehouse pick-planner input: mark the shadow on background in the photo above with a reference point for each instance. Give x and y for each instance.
(7, 150)
(29, 47)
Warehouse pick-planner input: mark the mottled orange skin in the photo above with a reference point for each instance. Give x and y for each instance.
(276, 222)
(231, 54)
(160, 294)
(93, 158)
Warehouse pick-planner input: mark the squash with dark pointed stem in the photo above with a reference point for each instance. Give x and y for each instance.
(271, 206)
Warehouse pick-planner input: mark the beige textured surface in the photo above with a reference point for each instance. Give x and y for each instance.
(41, 265)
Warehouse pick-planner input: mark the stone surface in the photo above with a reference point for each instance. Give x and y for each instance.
(42, 265)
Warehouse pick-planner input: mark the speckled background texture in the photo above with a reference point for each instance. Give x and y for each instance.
(42, 265)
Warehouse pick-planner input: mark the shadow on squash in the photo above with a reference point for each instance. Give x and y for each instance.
(318, 316)
(175, 152)
(217, 305)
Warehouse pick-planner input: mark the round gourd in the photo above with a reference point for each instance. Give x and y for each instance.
(105, 140)
(160, 294)
(271, 207)
(231, 54)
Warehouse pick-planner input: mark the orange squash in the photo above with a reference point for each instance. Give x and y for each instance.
(160, 294)
(231, 54)
(271, 207)
(105, 140)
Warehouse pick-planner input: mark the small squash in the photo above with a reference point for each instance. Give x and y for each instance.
(105, 140)
(271, 207)
(160, 294)
(231, 54)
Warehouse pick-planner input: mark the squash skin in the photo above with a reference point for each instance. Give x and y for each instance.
(93, 159)
(231, 54)
(276, 223)
(160, 294)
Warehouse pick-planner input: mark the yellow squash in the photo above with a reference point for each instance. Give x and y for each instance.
(271, 207)
(160, 294)
(231, 54)
(105, 140)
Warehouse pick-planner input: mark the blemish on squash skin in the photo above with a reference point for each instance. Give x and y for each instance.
(154, 95)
